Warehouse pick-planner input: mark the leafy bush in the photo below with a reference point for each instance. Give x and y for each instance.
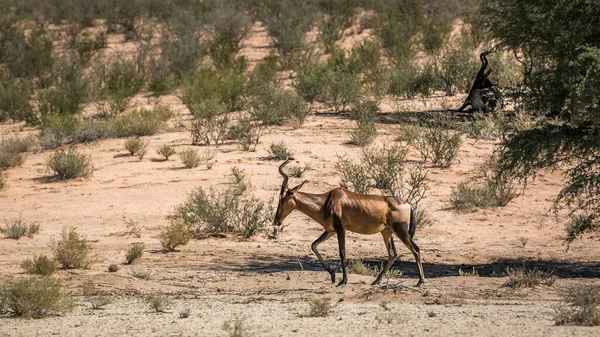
(17, 228)
(34, 297)
(26, 55)
(524, 277)
(57, 129)
(396, 24)
(287, 22)
(583, 306)
(247, 132)
(279, 105)
(15, 98)
(279, 151)
(457, 68)
(210, 124)
(215, 212)
(310, 80)
(166, 151)
(71, 249)
(383, 164)
(68, 92)
(118, 81)
(135, 252)
(437, 142)
(180, 45)
(136, 147)
(365, 114)
(12, 149)
(91, 130)
(190, 158)
(409, 80)
(337, 16)
(488, 126)
(297, 171)
(142, 122)
(354, 176)
(69, 164)
(40, 265)
(229, 26)
(174, 235)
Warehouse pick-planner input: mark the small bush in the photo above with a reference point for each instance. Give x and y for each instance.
(99, 302)
(93, 130)
(472, 273)
(40, 265)
(71, 249)
(524, 277)
(12, 149)
(190, 158)
(15, 98)
(354, 176)
(136, 147)
(279, 151)
(34, 297)
(118, 82)
(2, 183)
(210, 124)
(457, 67)
(17, 228)
(135, 252)
(141, 274)
(113, 268)
(296, 171)
(247, 132)
(288, 22)
(56, 130)
(319, 307)
(384, 163)
(158, 302)
(278, 106)
(365, 114)
(166, 151)
(142, 122)
(437, 142)
(68, 91)
(487, 127)
(174, 235)
(235, 328)
(409, 80)
(185, 313)
(582, 306)
(69, 164)
(26, 55)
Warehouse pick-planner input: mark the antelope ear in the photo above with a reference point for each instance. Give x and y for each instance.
(295, 189)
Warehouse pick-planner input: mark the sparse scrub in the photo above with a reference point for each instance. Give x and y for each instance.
(365, 114)
(279, 151)
(438, 142)
(384, 164)
(190, 158)
(56, 129)
(581, 306)
(247, 132)
(235, 328)
(472, 273)
(67, 91)
(319, 307)
(113, 268)
(211, 122)
(185, 313)
(2, 183)
(297, 171)
(17, 228)
(26, 55)
(142, 122)
(142, 274)
(135, 252)
(159, 302)
(136, 147)
(279, 105)
(526, 277)
(71, 249)
(165, 151)
(487, 189)
(409, 80)
(353, 176)
(69, 164)
(174, 235)
(99, 302)
(12, 149)
(15, 95)
(488, 127)
(40, 265)
(93, 130)
(34, 297)
(457, 67)
(118, 81)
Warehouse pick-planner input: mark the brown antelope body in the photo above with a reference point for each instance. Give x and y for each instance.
(340, 210)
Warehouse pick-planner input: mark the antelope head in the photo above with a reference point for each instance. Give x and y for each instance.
(286, 197)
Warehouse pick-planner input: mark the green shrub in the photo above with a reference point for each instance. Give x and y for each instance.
(396, 24)
(160, 80)
(435, 32)
(69, 164)
(337, 16)
(180, 44)
(118, 81)
(56, 129)
(174, 235)
(26, 55)
(15, 98)
(310, 80)
(71, 249)
(384, 164)
(2, 183)
(279, 151)
(297, 171)
(488, 126)
(17, 228)
(166, 151)
(277, 106)
(437, 142)
(582, 306)
(365, 115)
(457, 68)
(190, 158)
(34, 297)
(353, 176)
(12, 149)
(69, 90)
(287, 22)
(136, 147)
(210, 124)
(229, 26)
(40, 265)
(142, 122)
(135, 252)
(87, 45)
(409, 80)
(92, 130)
(247, 132)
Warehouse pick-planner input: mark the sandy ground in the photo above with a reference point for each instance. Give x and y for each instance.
(269, 283)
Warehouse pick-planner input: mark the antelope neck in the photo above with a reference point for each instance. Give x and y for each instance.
(311, 205)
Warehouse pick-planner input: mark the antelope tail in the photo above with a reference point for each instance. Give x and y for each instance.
(413, 223)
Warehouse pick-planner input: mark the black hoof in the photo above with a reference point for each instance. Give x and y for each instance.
(332, 277)
(420, 283)
(342, 283)
(376, 282)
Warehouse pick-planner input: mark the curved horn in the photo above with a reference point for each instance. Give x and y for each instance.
(285, 177)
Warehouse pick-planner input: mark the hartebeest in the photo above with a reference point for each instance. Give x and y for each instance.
(483, 95)
(340, 210)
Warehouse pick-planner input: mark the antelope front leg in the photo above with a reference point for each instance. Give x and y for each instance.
(314, 246)
(341, 234)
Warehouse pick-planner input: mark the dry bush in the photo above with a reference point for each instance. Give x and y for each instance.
(141, 274)
(437, 143)
(354, 176)
(100, 301)
(113, 268)
(135, 252)
(211, 122)
(384, 164)
(472, 273)
(142, 122)
(361, 268)
(166, 151)
(365, 115)
(319, 307)
(12, 149)
(158, 302)
(487, 126)
(17, 228)
(190, 158)
(487, 189)
(174, 235)
(247, 132)
(296, 171)
(525, 277)
(185, 313)
(71, 249)
(34, 297)
(69, 164)
(133, 228)
(136, 147)
(581, 306)
(235, 328)
(40, 265)
(279, 151)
